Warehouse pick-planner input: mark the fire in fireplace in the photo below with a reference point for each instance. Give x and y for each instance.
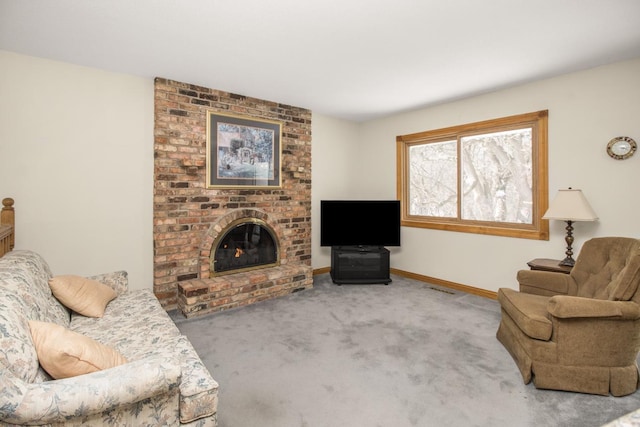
(246, 244)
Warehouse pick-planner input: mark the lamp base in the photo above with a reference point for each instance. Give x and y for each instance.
(568, 262)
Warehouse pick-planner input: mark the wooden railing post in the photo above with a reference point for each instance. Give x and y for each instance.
(7, 217)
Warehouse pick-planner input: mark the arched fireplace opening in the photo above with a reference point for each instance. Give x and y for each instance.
(246, 244)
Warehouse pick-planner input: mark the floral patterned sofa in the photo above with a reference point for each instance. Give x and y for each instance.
(163, 381)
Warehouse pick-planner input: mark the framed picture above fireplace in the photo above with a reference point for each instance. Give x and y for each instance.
(242, 152)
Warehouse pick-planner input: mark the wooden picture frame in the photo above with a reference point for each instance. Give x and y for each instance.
(243, 152)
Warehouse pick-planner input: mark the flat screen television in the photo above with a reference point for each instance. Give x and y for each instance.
(360, 223)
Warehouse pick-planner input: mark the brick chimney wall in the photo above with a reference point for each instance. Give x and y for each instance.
(184, 209)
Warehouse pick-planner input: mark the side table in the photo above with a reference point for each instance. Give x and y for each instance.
(547, 264)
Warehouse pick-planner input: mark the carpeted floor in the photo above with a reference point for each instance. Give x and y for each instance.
(406, 354)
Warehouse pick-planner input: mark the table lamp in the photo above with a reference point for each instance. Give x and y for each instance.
(570, 205)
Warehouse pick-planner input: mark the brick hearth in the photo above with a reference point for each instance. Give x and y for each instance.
(187, 215)
(202, 296)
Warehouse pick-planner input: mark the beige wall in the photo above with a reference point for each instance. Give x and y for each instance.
(76, 154)
(334, 164)
(586, 110)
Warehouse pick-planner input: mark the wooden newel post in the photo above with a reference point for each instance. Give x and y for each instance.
(8, 217)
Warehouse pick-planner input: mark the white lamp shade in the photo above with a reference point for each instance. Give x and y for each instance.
(570, 205)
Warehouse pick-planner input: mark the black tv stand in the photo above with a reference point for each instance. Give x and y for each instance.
(359, 265)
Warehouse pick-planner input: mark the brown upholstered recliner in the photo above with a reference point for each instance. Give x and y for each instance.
(580, 331)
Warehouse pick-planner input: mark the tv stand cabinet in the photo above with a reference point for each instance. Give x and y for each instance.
(359, 265)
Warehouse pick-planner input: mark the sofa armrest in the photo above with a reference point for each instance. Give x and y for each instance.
(85, 395)
(546, 283)
(568, 307)
(117, 280)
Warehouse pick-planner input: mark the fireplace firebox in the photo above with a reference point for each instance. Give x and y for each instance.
(247, 243)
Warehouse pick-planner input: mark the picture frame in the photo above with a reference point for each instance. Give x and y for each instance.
(243, 152)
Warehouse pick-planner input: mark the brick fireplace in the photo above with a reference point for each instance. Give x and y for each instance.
(188, 217)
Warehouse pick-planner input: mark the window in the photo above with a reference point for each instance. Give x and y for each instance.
(488, 177)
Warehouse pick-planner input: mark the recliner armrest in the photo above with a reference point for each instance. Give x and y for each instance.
(546, 283)
(567, 307)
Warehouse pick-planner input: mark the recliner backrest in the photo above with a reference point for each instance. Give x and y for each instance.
(608, 268)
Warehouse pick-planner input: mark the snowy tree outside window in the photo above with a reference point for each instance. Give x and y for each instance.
(496, 177)
(433, 187)
(487, 177)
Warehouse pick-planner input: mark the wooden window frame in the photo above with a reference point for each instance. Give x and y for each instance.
(538, 229)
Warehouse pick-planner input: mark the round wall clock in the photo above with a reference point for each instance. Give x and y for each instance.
(621, 147)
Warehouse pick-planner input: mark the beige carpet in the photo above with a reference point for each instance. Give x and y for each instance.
(406, 354)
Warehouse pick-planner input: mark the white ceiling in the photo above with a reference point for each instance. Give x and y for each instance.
(353, 59)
